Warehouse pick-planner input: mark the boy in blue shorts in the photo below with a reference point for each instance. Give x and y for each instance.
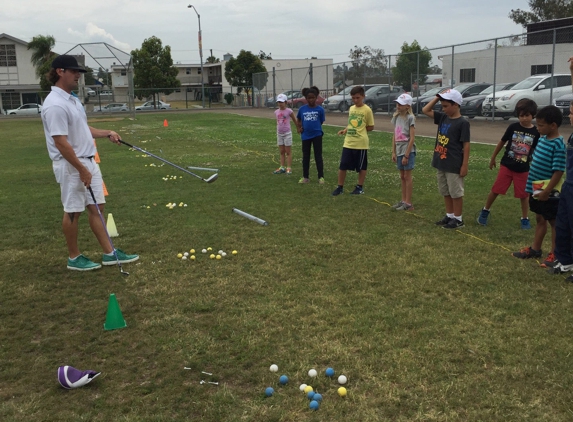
(547, 164)
(356, 142)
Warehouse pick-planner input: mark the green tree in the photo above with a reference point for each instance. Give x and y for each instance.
(367, 62)
(42, 57)
(153, 69)
(264, 56)
(542, 10)
(212, 59)
(239, 72)
(406, 68)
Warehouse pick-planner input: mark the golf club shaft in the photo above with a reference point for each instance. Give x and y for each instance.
(106, 232)
(203, 168)
(162, 159)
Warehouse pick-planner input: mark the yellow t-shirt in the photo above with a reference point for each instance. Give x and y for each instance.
(356, 134)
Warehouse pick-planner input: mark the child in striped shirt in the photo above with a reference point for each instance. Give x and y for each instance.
(547, 165)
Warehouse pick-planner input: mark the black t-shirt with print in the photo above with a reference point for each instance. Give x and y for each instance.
(521, 142)
(449, 148)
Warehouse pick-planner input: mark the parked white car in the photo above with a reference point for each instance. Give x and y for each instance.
(112, 107)
(536, 88)
(149, 105)
(29, 109)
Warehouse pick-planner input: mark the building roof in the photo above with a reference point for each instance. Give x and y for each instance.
(10, 37)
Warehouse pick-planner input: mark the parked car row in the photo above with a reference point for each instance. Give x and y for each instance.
(342, 101)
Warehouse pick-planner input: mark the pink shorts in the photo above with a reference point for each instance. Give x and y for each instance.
(504, 179)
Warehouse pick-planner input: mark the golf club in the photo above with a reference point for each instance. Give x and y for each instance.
(105, 228)
(203, 168)
(210, 179)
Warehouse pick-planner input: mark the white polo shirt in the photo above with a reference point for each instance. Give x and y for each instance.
(63, 114)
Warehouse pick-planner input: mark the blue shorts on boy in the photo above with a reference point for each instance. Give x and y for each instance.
(354, 159)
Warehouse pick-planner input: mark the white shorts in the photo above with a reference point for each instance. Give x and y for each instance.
(75, 196)
(284, 139)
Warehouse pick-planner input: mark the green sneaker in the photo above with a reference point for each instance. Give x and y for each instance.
(121, 255)
(81, 263)
(321, 181)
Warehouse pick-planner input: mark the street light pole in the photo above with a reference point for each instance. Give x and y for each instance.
(200, 54)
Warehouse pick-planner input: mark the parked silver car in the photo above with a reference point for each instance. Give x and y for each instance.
(150, 105)
(342, 101)
(29, 109)
(111, 107)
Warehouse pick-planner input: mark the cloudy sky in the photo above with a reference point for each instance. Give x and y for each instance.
(286, 29)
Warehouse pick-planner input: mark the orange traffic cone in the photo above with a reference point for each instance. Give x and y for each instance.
(105, 192)
(165, 124)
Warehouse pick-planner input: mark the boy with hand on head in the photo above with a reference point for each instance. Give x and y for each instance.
(451, 154)
(521, 139)
(564, 218)
(356, 142)
(548, 165)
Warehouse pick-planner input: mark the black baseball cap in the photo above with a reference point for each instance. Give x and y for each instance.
(67, 62)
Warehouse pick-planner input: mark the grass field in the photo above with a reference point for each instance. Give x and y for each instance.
(428, 325)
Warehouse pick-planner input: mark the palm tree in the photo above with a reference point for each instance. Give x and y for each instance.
(42, 57)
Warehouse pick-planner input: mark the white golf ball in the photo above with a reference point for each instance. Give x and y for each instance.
(342, 379)
(220, 252)
(274, 368)
(312, 373)
(204, 251)
(224, 254)
(302, 387)
(186, 254)
(184, 257)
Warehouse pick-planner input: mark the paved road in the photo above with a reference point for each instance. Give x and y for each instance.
(482, 130)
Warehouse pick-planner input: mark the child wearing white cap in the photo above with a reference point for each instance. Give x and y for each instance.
(284, 134)
(451, 154)
(404, 148)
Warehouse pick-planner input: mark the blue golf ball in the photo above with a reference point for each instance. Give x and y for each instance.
(329, 372)
(269, 391)
(310, 395)
(314, 405)
(283, 379)
(317, 397)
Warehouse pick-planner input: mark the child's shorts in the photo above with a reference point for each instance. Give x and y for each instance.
(546, 209)
(450, 184)
(411, 162)
(354, 159)
(504, 179)
(284, 139)
(75, 196)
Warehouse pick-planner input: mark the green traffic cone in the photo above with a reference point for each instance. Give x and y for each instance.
(114, 318)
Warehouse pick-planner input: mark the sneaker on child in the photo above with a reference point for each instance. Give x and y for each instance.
(397, 204)
(443, 221)
(288, 170)
(321, 181)
(454, 223)
(280, 170)
(357, 191)
(527, 253)
(550, 261)
(483, 217)
(525, 224)
(304, 180)
(121, 256)
(81, 263)
(405, 207)
(338, 191)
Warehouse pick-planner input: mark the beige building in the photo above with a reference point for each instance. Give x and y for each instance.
(18, 82)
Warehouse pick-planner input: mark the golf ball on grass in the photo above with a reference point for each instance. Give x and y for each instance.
(192, 257)
(220, 252)
(342, 379)
(310, 395)
(192, 251)
(329, 372)
(314, 405)
(186, 254)
(307, 389)
(179, 255)
(317, 397)
(342, 392)
(235, 252)
(209, 248)
(184, 257)
(204, 251)
(283, 379)
(212, 256)
(312, 373)
(218, 257)
(274, 368)
(269, 391)
(224, 254)
(302, 387)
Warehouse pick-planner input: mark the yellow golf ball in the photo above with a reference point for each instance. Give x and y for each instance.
(192, 257)
(218, 257)
(209, 248)
(212, 256)
(192, 251)
(307, 389)
(179, 255)
(235, 252)
(342, 392)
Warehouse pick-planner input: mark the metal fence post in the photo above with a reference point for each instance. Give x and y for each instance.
(310, 72)
(274, 85)
(452, 75)
(494, 79)
(553, 66)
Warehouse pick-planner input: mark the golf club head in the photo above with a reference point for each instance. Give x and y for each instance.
(123, 272)
(212, 178)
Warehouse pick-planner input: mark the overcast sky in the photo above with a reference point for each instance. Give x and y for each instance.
(287, 29)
